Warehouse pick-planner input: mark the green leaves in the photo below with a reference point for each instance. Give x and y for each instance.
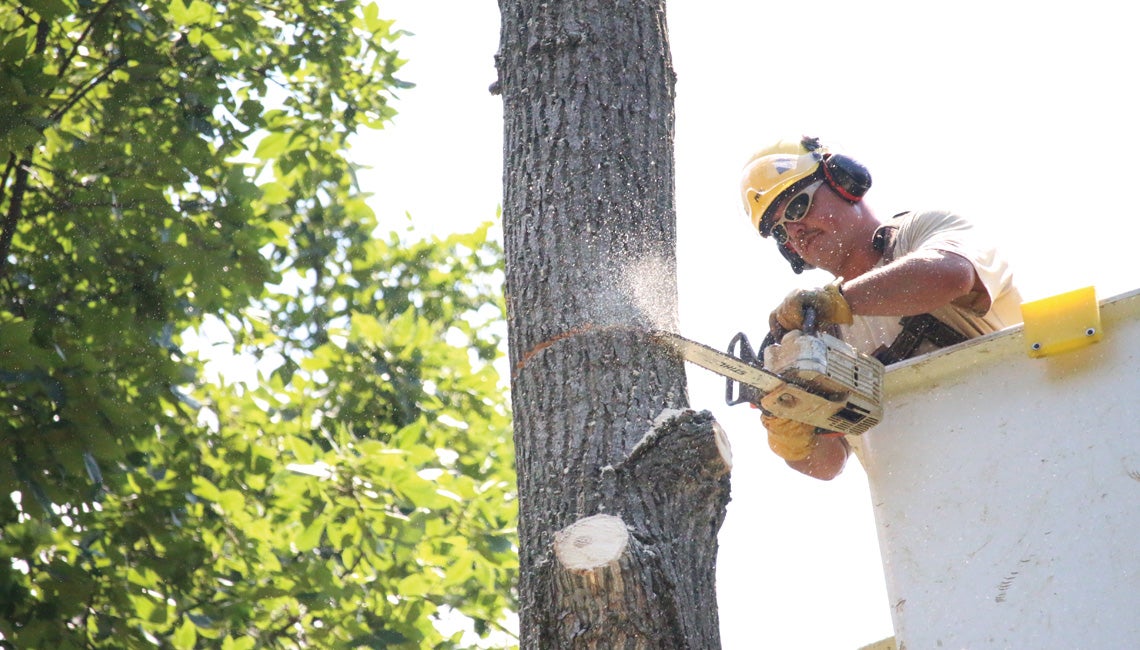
(186, 636)
(166, 166)
(197, 13)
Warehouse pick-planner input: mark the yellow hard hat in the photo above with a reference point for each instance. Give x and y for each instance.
(769, 177)
(789, 166)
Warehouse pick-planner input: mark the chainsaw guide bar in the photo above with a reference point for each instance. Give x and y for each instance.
(722, 364)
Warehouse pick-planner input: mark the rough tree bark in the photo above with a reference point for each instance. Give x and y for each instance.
(622, 488)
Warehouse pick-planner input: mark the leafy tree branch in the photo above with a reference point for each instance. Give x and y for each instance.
(176, 185)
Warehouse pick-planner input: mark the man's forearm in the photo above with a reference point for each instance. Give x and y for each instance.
(915, 284)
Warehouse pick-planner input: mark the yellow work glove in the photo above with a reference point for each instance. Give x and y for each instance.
(830, 306)
(789, 439)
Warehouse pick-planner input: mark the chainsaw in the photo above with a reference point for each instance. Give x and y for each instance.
(807, 376)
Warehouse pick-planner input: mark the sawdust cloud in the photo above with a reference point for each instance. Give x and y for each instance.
(638, 293)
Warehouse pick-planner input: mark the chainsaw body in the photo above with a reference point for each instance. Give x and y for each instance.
(812, 378)
(848, 384)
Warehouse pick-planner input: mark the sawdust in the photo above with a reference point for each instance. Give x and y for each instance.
(639, 293)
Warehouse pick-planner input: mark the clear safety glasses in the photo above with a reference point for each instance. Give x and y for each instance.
(796, 209)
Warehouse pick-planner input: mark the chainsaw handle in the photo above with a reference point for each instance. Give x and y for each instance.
(741, 348)
(734, 391)
(811, 324)
(743, 393)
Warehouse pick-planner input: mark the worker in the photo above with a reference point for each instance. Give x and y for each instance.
(905, 286)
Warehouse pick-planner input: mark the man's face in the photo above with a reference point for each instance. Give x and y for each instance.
(822, 231)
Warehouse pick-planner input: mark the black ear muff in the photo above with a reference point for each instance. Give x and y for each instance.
(847, 176)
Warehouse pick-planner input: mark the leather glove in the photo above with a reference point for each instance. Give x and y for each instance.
(789, 439)
(830, 307)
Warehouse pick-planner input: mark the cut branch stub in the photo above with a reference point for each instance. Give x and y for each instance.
(613, 579)
(722, 445)
(590, 543)
(682, 444)
(610, 590)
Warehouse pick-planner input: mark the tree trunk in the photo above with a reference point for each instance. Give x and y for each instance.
(622, 489)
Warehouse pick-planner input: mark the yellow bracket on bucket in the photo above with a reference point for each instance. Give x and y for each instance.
(1061, 323)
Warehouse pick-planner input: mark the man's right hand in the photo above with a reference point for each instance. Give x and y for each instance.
(830, 306)
(789, 439)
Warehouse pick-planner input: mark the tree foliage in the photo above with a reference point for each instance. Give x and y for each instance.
(181, 167)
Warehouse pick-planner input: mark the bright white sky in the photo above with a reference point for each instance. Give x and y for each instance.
(1020, 115)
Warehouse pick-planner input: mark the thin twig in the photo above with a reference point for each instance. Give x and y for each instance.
(91, 84)
(12, 217)
(82, 37)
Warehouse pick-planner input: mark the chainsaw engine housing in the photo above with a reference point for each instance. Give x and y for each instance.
(826, 367)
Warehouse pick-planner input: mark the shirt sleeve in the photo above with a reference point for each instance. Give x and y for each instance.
(951, 233)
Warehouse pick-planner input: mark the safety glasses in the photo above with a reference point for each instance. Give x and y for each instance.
(796, 209)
